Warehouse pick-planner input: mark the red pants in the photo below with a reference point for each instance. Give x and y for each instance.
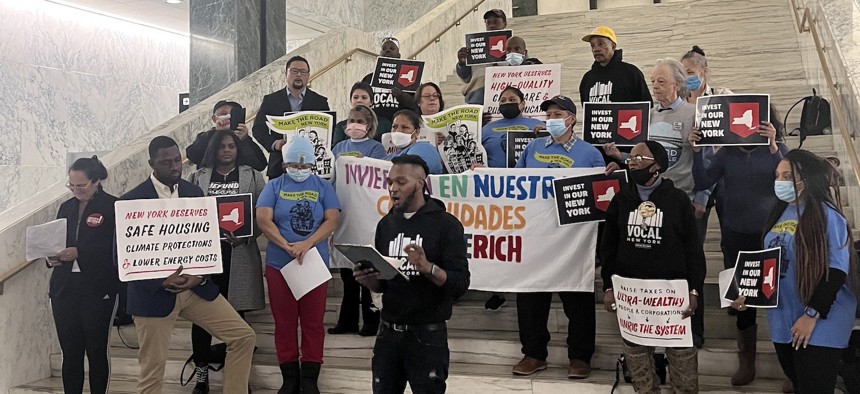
(287, 312)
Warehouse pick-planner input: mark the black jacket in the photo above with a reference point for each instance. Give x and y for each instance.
(92, 233)
(277, 104)
(627, 83)
(665, 246)
(250, 153)
(386, 103)
(418, 300)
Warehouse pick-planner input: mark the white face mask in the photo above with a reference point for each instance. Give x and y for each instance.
(515, 58)
(299, 175)
(401, 140)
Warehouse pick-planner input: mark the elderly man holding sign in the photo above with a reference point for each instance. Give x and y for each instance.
(156, 303)
(650, 233)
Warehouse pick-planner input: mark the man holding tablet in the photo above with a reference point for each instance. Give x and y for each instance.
(412, 344)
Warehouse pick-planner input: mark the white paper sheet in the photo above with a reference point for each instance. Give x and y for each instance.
(302, 278)
(725, 281)
(46, 240)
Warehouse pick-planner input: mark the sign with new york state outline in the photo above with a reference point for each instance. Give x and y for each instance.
(732, 119)
(625, 124)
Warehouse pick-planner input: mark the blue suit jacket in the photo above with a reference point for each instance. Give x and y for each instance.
(146, 297)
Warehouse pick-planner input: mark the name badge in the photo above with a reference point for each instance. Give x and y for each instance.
(678, 126)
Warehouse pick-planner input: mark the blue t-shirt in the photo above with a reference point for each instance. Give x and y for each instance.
(424, 150)
(367, 148)
(494, 137)
(299, 210)
(834, 331)
(538, 155)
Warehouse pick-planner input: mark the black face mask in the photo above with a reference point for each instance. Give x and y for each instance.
(642, 175)
(510, 110)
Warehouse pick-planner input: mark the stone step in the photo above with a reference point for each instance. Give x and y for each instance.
(54, 385)
(352, 375)
(474, 345)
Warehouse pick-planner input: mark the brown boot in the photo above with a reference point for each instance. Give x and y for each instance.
(746, 356)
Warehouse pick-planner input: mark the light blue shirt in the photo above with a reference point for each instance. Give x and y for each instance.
(367, 148)
(494, 137)
(296, 103)
(425, 151)
(546, 153)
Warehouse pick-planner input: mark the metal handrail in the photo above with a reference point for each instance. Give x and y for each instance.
(808, 23)
(345, 58)
(437, 38)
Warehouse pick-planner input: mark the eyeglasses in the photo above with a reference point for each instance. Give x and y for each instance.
(299, 166)
(431, 96)
(637, 159)
(78, 187)
(298, 71)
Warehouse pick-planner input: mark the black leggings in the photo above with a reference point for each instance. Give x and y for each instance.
(732, 243)
(83, 327)
(201, 341)
(354, 295)
(812, 369)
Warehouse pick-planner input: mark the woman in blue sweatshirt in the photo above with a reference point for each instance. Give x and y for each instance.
(747, 178)
(812, 322)
(360, 130)
(494, 135)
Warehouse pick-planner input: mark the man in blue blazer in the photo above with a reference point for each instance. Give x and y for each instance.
(156, 303)
(293, 98)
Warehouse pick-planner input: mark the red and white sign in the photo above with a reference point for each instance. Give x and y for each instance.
(744, 118)
(95, 220)
(498, 45)
(650, 312)
(768, 285)
(629, 123)
(604, 191)
(231, 215)
(408, 75)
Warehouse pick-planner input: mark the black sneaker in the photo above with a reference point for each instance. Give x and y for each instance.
(202, 386)
(495, 303)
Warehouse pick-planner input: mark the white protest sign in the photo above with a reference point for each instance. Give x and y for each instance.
(538, 82)
(155, 237)
(650, 311)
(508, 215)
(461, 127)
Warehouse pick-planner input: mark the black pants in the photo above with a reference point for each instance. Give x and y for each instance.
(83, 327)
(355, 296)
(734, 242)
(812, 369)
(201, 340)
(533, 313)
(417, 357)
(697, 321)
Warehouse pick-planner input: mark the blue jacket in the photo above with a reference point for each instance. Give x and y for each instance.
(146, 297)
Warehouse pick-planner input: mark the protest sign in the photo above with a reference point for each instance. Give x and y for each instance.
(625, 124)
(236, 215)
(507, 215)
(756, 277)
(461, 126)
(517, 141)
(487, 46)
(732, 119)
(317, 126)
(538, 82)
(391, 73)
(586, 198)
(48, 239)
(155, 237)
(650, 312)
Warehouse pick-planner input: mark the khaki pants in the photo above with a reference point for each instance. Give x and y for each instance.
(218, 318)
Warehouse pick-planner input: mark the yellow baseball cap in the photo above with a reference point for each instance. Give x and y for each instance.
(601, 31)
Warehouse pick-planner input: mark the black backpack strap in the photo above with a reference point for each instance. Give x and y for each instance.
(182, 380)
(785, 118)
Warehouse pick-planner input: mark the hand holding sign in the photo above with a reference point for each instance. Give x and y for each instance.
(391, 73)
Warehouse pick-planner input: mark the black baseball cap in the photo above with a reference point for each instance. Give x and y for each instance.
(222, 103)
(497, 13)
(561, 101)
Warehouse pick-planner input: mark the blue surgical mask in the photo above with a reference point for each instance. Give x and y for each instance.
(556, 127)
(784, 191)
(693, 82)
(515, 58)
(299, 175)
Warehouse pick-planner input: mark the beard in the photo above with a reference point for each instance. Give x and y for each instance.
(405, 202)
(298, 84)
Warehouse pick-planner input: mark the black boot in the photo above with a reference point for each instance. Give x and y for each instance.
(310, 375)
(292, 376)
(202, 386)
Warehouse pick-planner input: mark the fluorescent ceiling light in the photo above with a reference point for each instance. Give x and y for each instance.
(173, 1)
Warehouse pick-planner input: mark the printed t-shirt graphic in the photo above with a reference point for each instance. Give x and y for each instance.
(670, 137)
(395, 250)
(644, 224)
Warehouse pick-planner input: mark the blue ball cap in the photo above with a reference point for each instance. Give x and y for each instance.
(299, 150)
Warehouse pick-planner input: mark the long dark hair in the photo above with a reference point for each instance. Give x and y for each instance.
(92, 167)
(210, 158)
(810, 241)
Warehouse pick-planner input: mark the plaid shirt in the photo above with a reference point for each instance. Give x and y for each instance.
(567, 145)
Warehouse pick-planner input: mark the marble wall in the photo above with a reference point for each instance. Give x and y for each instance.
(77, 81)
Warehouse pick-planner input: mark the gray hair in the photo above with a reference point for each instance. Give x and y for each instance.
(677, 71)
(697, 57)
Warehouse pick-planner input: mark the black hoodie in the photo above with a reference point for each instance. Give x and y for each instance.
(663, 246)
(418, 300)
(617, 82)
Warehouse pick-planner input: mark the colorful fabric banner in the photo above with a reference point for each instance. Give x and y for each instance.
(509, 219)
(650, 311)
(155, 237)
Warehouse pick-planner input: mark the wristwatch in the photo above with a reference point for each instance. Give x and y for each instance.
(694, 292)
(811, 312)
(433, 270)
(202, 278)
